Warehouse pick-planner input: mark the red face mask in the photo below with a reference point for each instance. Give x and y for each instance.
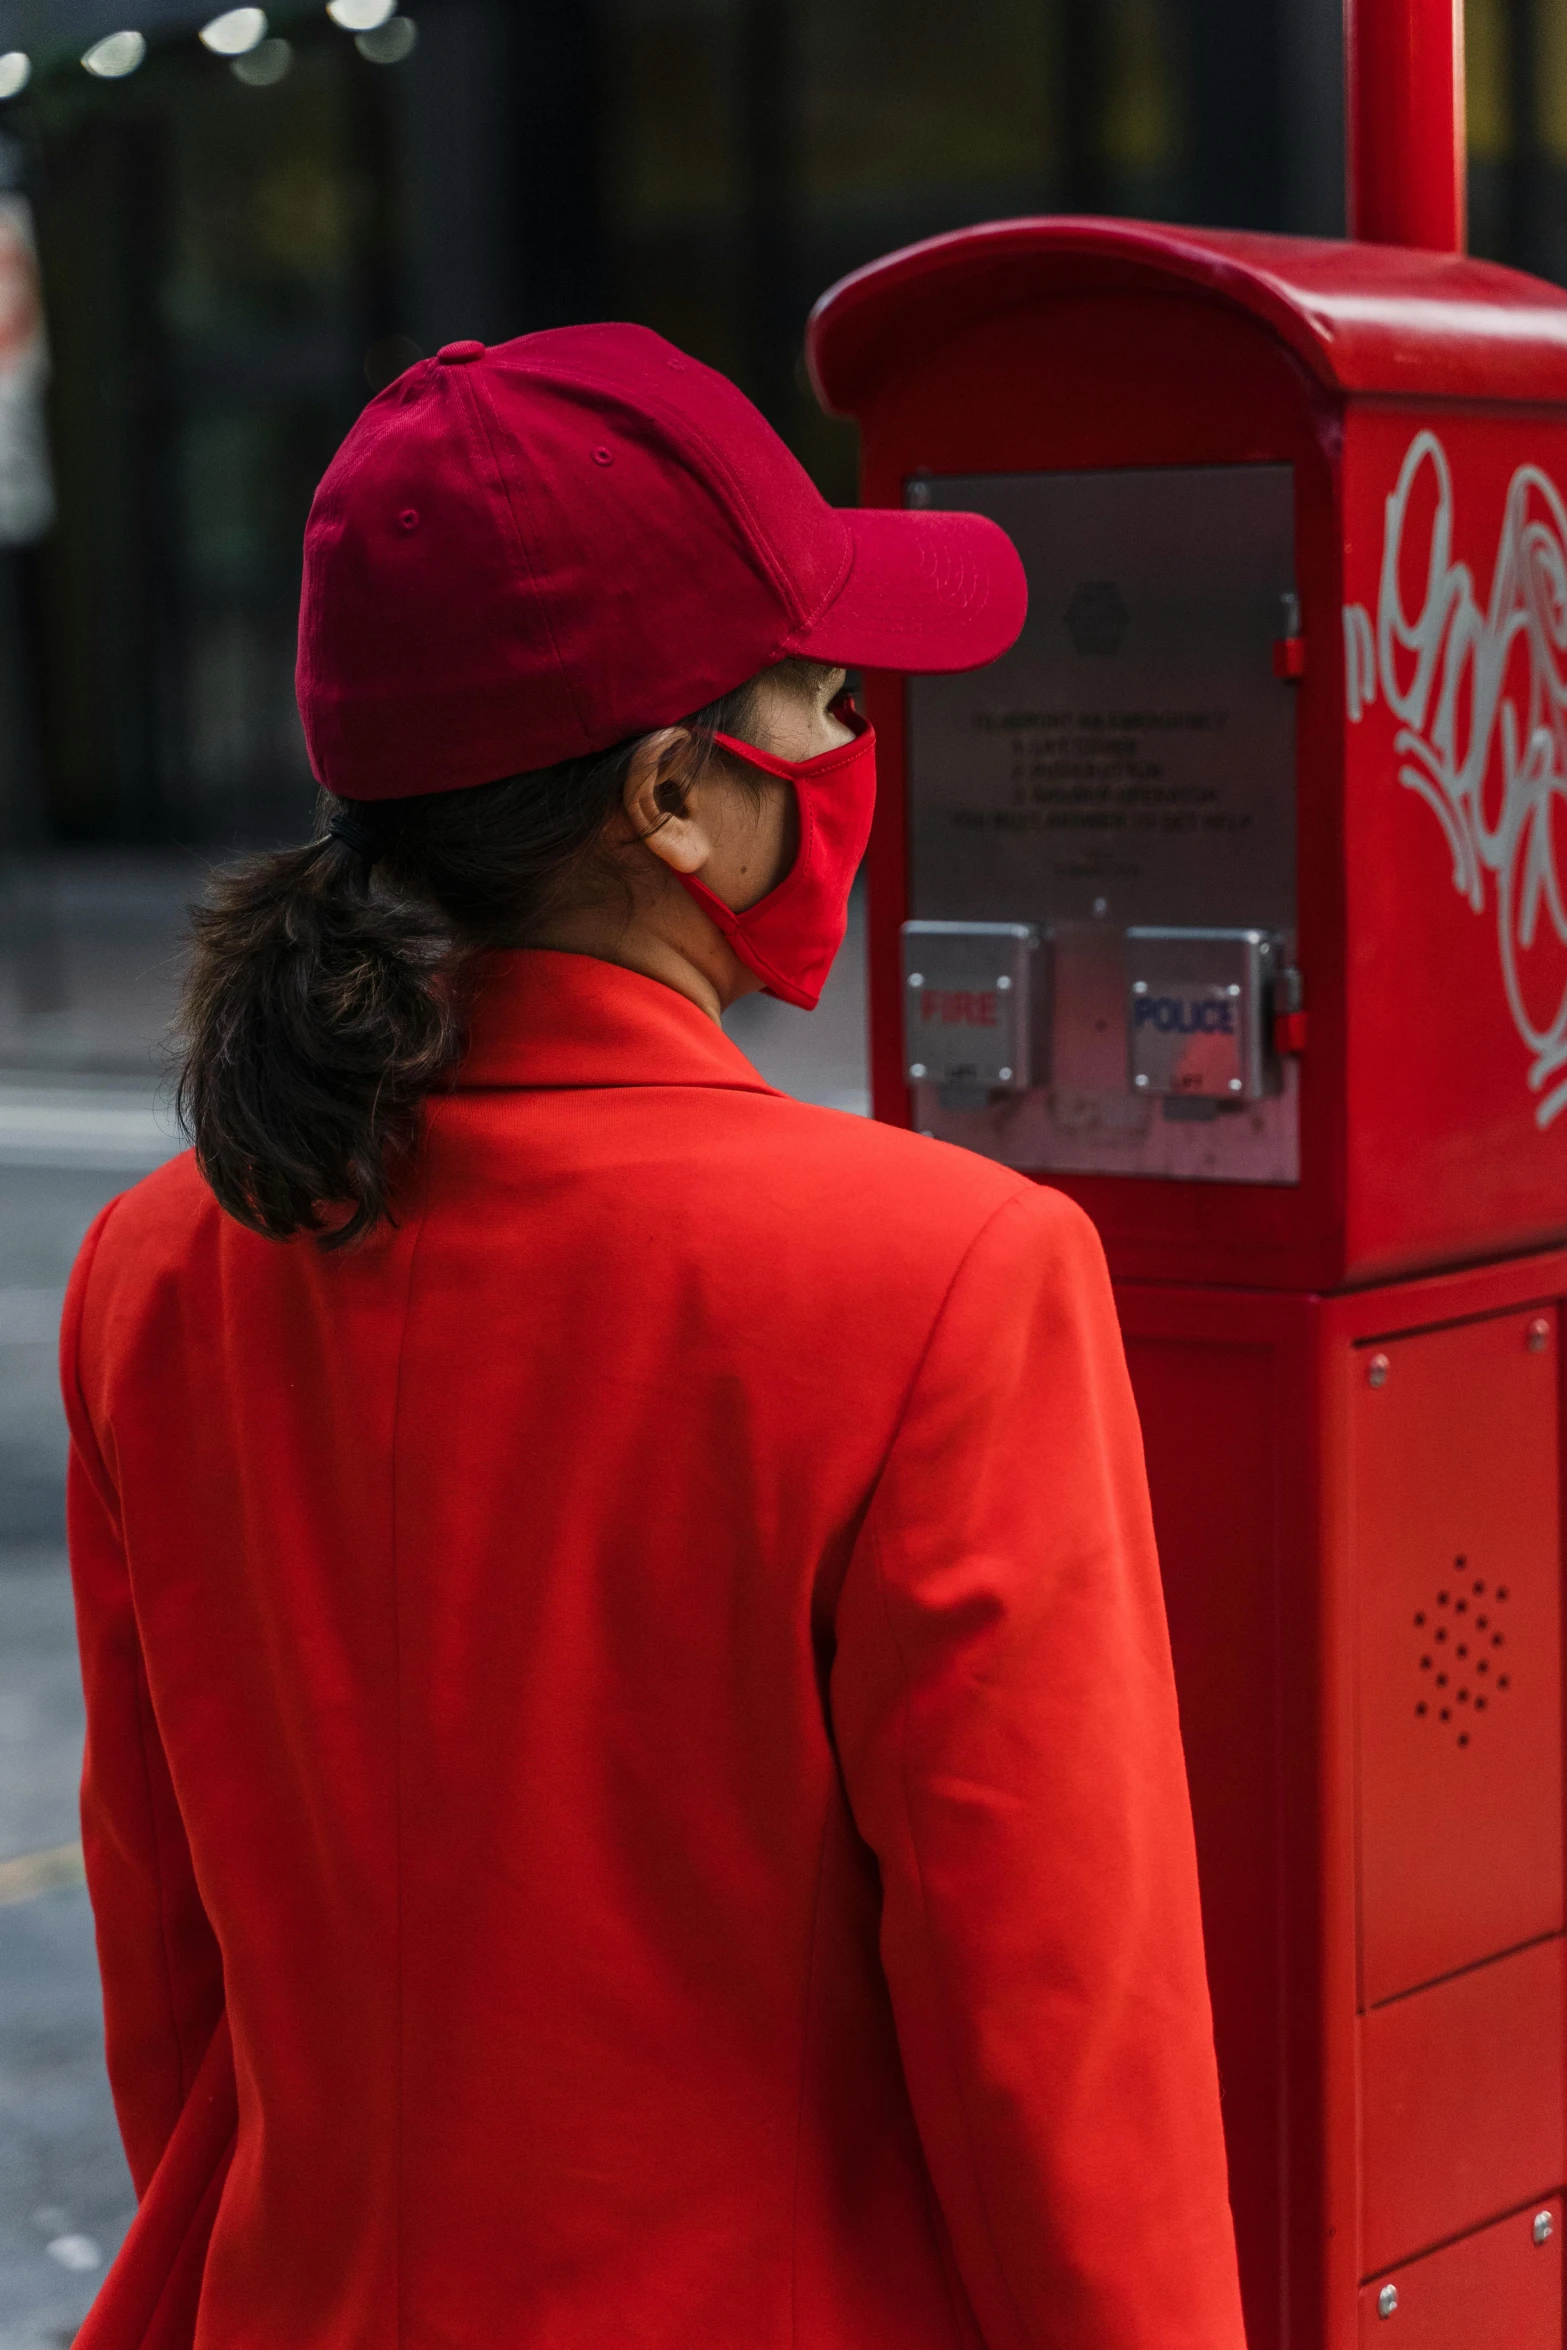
(789, 938)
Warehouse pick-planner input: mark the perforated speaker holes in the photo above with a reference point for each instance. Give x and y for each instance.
(1462, 1651)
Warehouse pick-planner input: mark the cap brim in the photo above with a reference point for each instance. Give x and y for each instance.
(925, 591)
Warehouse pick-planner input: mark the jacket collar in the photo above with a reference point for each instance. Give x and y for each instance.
(541, 1018)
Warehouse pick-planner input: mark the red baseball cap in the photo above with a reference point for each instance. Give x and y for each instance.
(526, 553)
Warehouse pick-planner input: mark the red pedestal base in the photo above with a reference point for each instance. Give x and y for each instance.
(1358, 1505)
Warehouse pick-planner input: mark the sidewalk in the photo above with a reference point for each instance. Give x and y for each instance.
(65, 2195)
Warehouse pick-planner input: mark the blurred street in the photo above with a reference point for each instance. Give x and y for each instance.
(89, 964)
(88, 970)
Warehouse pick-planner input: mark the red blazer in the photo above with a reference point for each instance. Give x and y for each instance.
(640, 1701)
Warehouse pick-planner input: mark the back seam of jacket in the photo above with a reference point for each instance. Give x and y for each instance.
(397, 1761)
(805, 2071)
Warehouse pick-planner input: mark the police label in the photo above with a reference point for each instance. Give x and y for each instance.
(1175, 1015)
(1188, 1038)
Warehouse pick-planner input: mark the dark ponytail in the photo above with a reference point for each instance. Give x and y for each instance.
(325, 994)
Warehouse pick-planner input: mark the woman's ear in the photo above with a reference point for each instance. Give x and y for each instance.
(660, 801)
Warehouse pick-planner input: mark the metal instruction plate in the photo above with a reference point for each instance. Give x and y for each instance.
(1129, 764)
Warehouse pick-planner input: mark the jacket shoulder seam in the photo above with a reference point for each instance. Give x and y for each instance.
(981, 1231)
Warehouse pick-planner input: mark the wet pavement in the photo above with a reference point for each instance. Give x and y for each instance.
(89, 963)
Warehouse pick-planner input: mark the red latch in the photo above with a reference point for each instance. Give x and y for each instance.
(1289, 1013)
(1289, 656)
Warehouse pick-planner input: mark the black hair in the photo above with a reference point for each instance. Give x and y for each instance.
(325, 997)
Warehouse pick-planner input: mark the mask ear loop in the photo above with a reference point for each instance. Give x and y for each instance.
(806, 770)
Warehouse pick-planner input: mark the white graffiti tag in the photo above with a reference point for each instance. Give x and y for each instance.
(1482, 700)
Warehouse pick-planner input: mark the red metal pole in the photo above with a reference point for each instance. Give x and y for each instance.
(1404, 154)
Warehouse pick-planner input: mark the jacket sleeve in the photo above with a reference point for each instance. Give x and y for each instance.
(1004, 1705)
(157, 1954)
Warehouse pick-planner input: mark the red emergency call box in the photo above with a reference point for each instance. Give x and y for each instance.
(1229, 901)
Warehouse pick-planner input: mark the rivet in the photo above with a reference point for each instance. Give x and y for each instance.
(916, 979)
(603, 456)
(409, 518)
(1004, 1075)
(1003, 983)
(1544, 2227)
(916, 1068)
(1538, 1335)
(1139, 1079)
(1387, 2301)
(1235, 1085)
(1233, 988)
(1139, 987)
(1377, 1370)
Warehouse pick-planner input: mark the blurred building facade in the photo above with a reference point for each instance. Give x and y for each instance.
(237, 249)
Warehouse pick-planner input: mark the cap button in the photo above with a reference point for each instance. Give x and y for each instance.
(459, 354)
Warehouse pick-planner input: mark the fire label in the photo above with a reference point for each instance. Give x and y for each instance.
(970, 1018)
